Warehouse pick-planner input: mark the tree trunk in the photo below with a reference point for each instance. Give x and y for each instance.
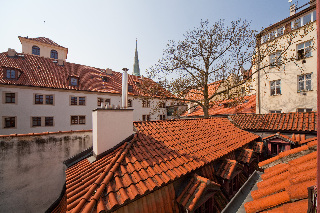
(206, 108)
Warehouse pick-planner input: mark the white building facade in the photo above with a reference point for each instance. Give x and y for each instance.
(40, 95)
(286, 58)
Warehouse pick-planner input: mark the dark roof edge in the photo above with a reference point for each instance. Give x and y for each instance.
(281, 131)
(78, 157)
(238, 199)
(287, 19)
(57, 202)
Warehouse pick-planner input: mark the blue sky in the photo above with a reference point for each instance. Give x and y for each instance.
(102, 33)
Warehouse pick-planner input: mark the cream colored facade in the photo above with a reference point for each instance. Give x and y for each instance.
(45, 49)
(287, 87)
(61, 110)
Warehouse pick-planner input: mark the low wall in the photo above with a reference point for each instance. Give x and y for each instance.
(32, 173)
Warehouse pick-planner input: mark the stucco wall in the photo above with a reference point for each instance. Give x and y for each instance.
(32, 173)
(45, 49)
(290, 99)
(61, 110)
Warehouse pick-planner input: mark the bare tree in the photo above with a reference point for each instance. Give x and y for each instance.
(208, 54)
(209, 62)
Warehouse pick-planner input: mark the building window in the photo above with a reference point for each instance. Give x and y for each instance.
(275, 59)
(275, 111)
(48, 121)
(82, 120)
(304, 110)
(275, 87)
(54, 54)
(38, 99)
(304, 82)
(162, 104)
(304, 20)
(36, 121)
(78, 119)
(130, 88)
(280, 31)
(100, 101)
(74, 100)
(49, 99)
(9, 122)
(105, 79)
(82, 100)
(108, 102)
(74, 81)
(145, 103)
(11, 74)
(162, 117)
(145, 117)
(10, 98)
(304, 50)
(35, 50)
(129, 103)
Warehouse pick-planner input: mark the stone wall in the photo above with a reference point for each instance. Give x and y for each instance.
(32, 173)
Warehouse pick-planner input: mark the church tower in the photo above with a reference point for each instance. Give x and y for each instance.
(136, 69)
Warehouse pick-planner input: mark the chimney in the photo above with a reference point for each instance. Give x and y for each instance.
(125, 88)
(110, 127)
(292, 9)
(60, 62)
(109, 71)
(11, 52)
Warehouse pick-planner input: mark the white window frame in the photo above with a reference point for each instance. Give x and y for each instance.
(275, 59)
(274, 85)
(302, 80)
(307, 50)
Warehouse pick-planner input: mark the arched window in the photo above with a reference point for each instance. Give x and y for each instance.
(54, 54)
(35, 50)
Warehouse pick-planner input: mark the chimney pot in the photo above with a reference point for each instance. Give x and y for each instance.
(110, 127)
(11, 52)
(292, 9)
(125, 88)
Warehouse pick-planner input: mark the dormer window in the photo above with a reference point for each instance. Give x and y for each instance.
(11, 74)
(74, 81)
(130, 88)
(35, 50)
(54, 54)
(105, 79)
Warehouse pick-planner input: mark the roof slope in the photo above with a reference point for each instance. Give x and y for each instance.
(44, 72)
(293, 121)
(227, 107)
(284, 186)
(44, 40)
(197, 95)
(161, 152)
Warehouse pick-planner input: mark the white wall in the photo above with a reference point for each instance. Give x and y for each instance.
(290, 99)
(25, 108)
(45, 49)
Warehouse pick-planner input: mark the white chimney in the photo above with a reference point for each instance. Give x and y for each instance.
(11, 52)
(125, 88)
(60, 62)
(110, 127)
(292, 9)
(109, 71)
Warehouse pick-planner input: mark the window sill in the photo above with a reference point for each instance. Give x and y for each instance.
(275, 95)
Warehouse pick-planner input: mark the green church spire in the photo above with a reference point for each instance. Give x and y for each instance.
(136, 69)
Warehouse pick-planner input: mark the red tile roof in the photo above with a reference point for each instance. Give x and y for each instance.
(258, 147)
(247, 105)
(161, 152)
(294, 121)
(246, 156)
(43, 72)
(44, 40)
(44, 133)
(196, 187)
(284, 186)
(197, 94)
(228, 169)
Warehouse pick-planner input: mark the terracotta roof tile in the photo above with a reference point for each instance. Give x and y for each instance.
(303, 122)
(285, 186)
(159, 153)
(194, 190)
(247, 105)
(38, 71)
(44, 40)
(195, 94)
